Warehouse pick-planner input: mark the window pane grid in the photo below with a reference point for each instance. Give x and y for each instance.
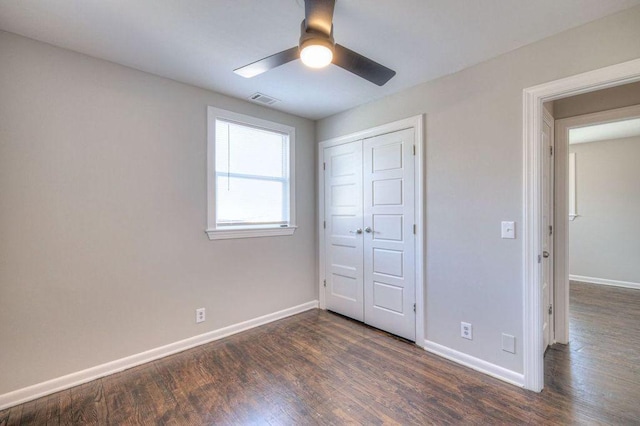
(252, 223)
(253, 177)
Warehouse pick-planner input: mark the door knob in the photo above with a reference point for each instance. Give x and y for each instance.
(545, 254)
(357, 231)
(368, 230)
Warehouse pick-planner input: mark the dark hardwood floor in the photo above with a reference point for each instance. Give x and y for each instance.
(320, 368)
(599, 370)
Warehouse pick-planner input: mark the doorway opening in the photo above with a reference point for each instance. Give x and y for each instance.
(597, 154)
(598, 195)
(534, 231)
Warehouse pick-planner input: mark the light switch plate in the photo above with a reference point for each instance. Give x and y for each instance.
(508, 229)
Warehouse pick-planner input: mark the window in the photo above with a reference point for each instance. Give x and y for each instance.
(572, 186)
(250, 176)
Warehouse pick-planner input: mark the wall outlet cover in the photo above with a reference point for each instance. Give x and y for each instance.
(200, 315)
(508, 343)
(466, 330)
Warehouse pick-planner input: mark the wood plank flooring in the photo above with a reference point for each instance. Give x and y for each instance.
(321, 368)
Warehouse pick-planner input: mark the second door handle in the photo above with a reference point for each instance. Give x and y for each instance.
(368, 230)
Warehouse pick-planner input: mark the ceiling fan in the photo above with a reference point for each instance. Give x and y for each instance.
(317, 49)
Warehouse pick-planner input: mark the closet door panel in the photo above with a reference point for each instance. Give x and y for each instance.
(388, 216)
(343, 231)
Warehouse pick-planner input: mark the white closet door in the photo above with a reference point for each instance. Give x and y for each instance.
(343, 218)
(389, 241)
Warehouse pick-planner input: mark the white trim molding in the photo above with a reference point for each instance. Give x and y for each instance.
(605, 281)
(30, 393)
(474, 363)
(416, 123)
(533, 98)
(227, 234)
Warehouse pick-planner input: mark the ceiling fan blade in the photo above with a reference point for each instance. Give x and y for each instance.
(318, 15)
(270, 62)
(362, 66)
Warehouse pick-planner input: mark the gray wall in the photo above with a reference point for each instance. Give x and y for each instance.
(600, 100)
(103, 212)
(474, 168)
(605, 238)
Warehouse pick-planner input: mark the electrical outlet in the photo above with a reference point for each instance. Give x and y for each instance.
(200, 315)
(466, 330)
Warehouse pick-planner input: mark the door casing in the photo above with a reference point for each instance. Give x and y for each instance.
(548, 237)
(417, 123)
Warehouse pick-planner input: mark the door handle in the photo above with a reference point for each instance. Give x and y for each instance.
(357, 231)
(368, 230)
(545, 254)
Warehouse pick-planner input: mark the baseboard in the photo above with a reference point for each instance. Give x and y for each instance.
(74, 379)
(475, 363)
(604, 281)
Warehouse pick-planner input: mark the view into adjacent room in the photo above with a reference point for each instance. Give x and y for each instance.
(603, 197)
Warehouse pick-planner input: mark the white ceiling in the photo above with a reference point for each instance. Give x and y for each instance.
(201, 42)
(605, 131)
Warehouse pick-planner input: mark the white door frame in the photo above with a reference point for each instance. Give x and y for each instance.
(562, 275)
(533, 98)
(417, 123)
(552, 157)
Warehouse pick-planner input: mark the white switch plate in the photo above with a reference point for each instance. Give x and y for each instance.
(508, 343)
(508, 229)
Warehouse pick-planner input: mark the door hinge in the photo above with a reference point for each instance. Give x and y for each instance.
(550, 150)
(414, 229)
(324, 224)
(414, 150)
(550, 229)
(539, 258)
(414, 307)
(324, 166)
(325, 282)
(550, 309)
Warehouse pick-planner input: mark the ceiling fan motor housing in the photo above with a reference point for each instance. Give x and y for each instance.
(309, 36)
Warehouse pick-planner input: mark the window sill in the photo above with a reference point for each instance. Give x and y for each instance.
(226, 234)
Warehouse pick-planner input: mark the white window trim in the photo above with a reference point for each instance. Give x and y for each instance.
(227, 232)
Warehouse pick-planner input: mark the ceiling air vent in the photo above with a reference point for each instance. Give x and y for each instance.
(262, 99)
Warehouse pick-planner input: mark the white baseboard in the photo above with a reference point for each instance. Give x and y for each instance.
(603, 281)
(74, 379)
(474, 363)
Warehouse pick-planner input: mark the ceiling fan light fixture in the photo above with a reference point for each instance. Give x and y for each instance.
(317, 48)
(316, 53)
